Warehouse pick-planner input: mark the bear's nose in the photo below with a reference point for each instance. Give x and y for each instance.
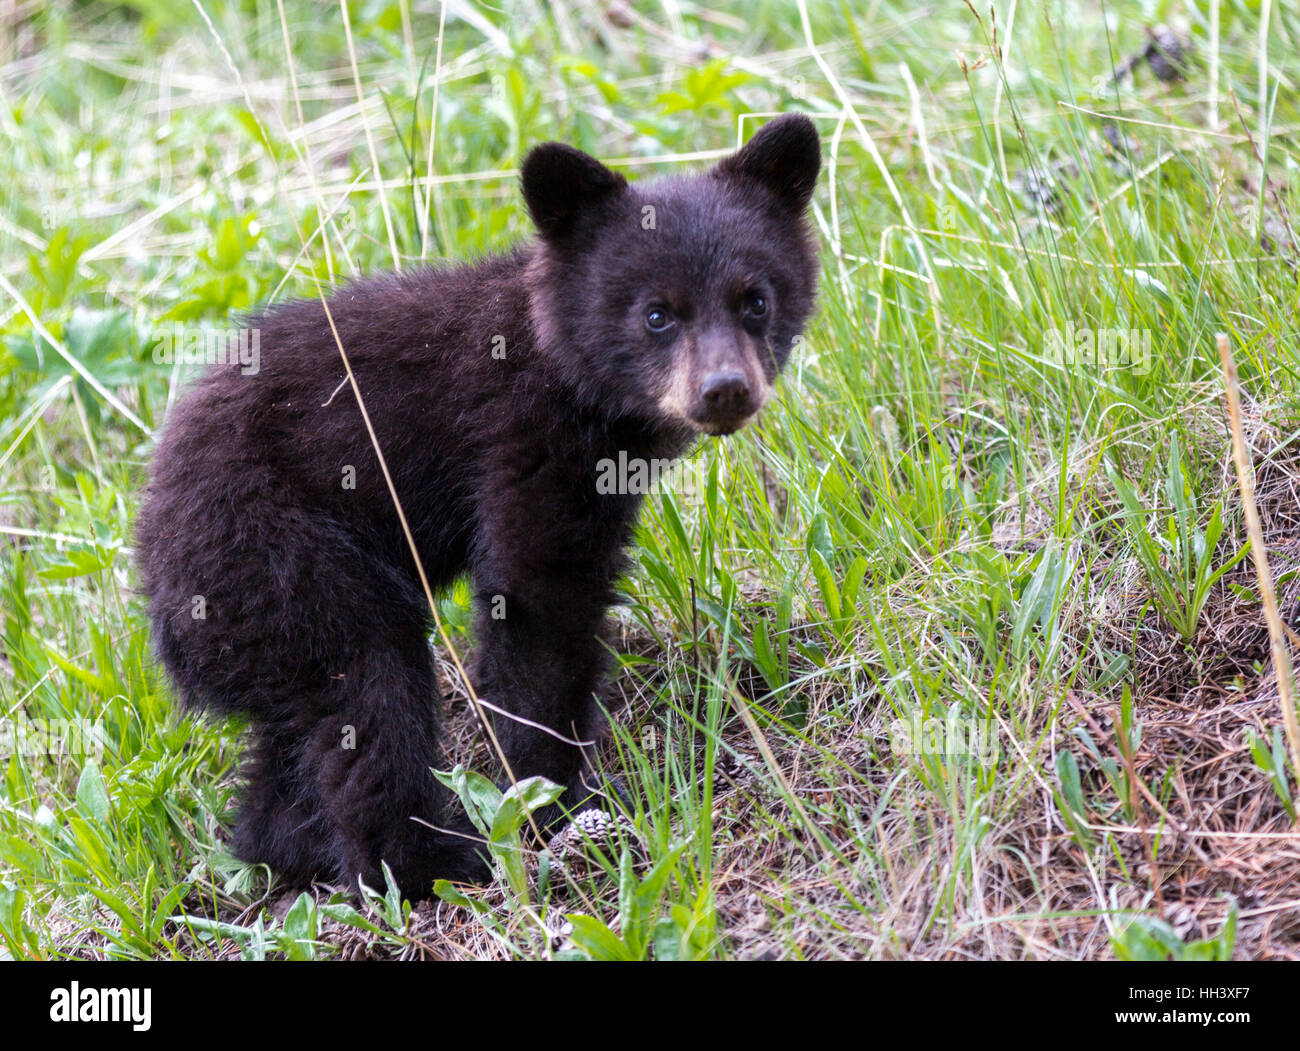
(725, 392)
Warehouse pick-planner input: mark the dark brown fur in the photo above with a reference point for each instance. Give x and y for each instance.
(315, 620)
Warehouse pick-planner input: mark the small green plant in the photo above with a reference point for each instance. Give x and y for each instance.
(705, 90)
(104, 342)
(1070, 801)
(500, 817)
(229, 285)
(771, 645)
(840, 599)
(1128, 738)
(21, 940)
(1273, 762)
(296, 938)
(1151, 938)
(643, 931)
(1178, 561)
(1012, 607)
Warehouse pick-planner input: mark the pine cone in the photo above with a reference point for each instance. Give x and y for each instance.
(1166, 56)
(594, 827)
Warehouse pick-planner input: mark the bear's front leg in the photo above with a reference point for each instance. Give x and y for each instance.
(542, 658)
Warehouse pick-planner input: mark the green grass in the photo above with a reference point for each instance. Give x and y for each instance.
(933, 661)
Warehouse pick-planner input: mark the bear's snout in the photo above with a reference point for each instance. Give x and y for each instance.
(725, 401)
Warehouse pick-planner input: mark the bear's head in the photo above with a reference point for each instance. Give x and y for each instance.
(677, 300)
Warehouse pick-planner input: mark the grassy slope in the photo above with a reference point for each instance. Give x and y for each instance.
(928, 525)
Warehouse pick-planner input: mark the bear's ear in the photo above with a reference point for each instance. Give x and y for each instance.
(785, 156)
(559, 182)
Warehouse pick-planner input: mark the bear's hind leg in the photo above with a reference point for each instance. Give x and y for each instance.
(373, 757)
(281, 822)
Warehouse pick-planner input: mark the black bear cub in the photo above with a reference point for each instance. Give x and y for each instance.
(280, 580)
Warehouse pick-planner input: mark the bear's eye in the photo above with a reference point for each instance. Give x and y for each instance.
(658, 319)
(755, 304)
